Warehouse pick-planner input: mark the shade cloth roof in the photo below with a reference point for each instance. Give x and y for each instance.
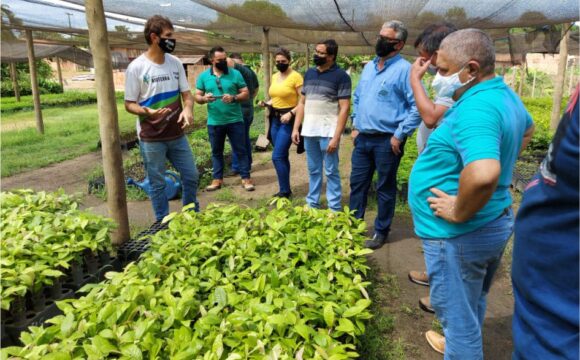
(18, 52)
(237, 24)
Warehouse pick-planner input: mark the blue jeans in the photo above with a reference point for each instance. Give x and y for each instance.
(281, 139)
(460, 273)
(248, 143)
(372, 153)
(217, 138)
(178, 152)
(317, 159)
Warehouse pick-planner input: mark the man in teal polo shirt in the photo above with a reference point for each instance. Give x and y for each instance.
(223, 88)
(459, 189)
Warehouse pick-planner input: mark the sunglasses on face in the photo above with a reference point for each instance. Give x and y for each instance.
(387, 39)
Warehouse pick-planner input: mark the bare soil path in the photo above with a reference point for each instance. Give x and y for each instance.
(393, 261)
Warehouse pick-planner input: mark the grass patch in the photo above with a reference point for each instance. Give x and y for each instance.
(68, 134)
(226, 195)
(378, 342)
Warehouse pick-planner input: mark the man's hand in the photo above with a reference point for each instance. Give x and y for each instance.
(332, 145)
(395, 145)
(227, 99)
(185, 118)
(354, 133)
(296, 137)
(285, 119)
(419, 68)
(156, 112)
(208, 97)
(443, 205)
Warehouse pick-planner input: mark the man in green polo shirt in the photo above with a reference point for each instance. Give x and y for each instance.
(223, 88)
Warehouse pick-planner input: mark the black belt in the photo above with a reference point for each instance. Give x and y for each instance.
(376, 134)
(279, 112)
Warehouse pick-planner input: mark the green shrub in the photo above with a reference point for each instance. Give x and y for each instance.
(42, 234)
(67, 99)
(228, 283)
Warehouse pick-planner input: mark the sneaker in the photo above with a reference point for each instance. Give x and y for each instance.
(248, 185)
(425, 304)
(376, 242)
(419, 277)
(436, 340)
(215, 185)
(287, 195)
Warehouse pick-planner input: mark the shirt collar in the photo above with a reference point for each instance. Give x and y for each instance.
(332, 68)
(388, 62)
(495, 83)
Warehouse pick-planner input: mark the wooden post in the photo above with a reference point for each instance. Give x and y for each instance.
(34, 82)
(559, 83)
(570, 78)
(108, 119)
(307, 56)
(59, 71)
(522, 79)
(267, 71)
(534, 83)
(14, 78)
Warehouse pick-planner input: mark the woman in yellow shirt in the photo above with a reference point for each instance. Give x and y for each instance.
(284, 93)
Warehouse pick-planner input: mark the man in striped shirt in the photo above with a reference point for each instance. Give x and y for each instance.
(324, 107)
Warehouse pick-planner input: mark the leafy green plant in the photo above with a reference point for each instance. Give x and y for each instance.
(42, 234)
(228, 283)
(69, 98)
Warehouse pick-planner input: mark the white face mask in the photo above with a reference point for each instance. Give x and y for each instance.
(445, 86)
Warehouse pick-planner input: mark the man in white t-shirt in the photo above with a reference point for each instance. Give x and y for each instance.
(157, 91)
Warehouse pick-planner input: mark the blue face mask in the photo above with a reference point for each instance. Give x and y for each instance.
(445, 86)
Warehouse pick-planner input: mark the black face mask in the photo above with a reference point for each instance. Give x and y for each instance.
(282, 67)
(167, 44)
(384, 47)
(222, 66)
(318, 60)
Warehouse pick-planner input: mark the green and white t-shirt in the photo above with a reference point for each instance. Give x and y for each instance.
(157, 86)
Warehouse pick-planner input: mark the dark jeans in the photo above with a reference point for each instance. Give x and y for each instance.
(248, 120)
(217, 138)
(374, 153)
(281, 139)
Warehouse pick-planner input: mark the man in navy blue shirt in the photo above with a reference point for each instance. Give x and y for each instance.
(545, 259)
(384, 116)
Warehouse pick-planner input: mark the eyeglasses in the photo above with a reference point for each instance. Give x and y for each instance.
(387, 39)
(219, 83)
(320, 53)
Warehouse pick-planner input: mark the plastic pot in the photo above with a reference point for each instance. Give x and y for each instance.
(91, 262)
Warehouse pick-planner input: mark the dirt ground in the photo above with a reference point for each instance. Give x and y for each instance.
(394, 260)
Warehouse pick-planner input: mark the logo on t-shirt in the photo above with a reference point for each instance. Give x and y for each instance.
(176, 75)
(160, 78)
(146, 78)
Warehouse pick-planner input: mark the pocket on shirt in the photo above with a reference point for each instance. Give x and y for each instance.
(385, 93)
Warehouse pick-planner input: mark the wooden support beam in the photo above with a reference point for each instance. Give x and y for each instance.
(59, 71)
(266, 63)
(108, 119)
(14, 78)
(559, 82)
(34, 82)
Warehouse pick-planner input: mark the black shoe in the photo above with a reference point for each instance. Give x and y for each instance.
(376, 242)
(287, 195)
